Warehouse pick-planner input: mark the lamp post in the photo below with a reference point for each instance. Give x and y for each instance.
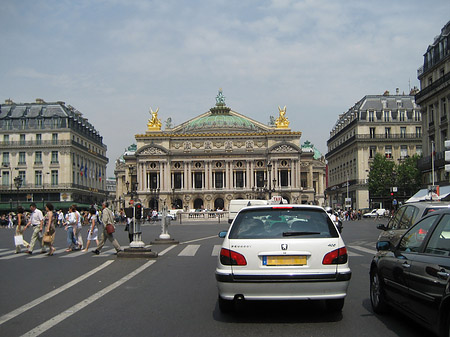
(269, 169)
(18, 183)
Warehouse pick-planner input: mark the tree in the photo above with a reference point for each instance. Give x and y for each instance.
(408, 176)
(381, 176)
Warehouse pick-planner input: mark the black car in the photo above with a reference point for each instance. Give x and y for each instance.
(413, 275)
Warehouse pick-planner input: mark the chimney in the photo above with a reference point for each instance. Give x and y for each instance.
(39, 101)
(9, 101)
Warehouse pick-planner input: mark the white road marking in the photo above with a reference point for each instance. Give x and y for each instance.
(166, 250)
(190, 250)
(205, 238)
(216, 250)
(66, 314)
(363, 249)
(52, 293)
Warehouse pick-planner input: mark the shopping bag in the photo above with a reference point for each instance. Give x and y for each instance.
(18, 240)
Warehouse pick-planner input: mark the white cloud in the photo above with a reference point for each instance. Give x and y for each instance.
(114, 59)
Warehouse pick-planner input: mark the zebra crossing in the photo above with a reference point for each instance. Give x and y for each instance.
(355, 249)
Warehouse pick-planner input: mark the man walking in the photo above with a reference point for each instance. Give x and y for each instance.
(37, 222)
(107, 218)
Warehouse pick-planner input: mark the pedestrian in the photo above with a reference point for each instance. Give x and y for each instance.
(21, 223)
(36, 221)
(79, 227)
(107, 218)
(70, 228)
(60, 218)
(49, 225)
(93, 230)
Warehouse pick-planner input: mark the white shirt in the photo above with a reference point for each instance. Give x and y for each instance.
(36, 217)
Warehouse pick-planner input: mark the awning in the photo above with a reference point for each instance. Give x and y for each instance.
(64, 205)
(424, 195)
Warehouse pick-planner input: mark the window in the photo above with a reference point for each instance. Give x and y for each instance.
(5, 161)
(372, 151)
(371, 116)
(259, 178)
(387, 132)
(418, 132)
(372, 132)
(54, 177)
(417, 116)
(412, 241)
(431, 114)
(439, 243)
(419, 150)
(6, 139)
(443, 108)
(284, 178)
(55, 157)
(403, 151)
(239, 178)
(22, 139)
(38, 178)
(38, 157)
(386, 116)
(402, 116)
(22, 160)
(22, 176)
(54, 138)
(218, 179)
(402, 132)
(177, 179)
(5, 178)
(388, 151)
(40, 124)
(198, 180)
(38, 139)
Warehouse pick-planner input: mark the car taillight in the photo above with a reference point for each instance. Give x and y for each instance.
(338, 256)
(229, 258)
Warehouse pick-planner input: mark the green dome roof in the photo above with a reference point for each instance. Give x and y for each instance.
(216, 122)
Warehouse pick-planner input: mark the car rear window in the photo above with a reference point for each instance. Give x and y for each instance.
(271, 223)
(432, 209)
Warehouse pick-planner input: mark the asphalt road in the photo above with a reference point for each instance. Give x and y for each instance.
(173, 295)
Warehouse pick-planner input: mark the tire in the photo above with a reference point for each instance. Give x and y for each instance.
(335, 305)
(225, 306)
(377, 297)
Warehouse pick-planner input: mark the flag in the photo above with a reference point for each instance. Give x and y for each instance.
(85, 170)
(100, 175)
(81, 170)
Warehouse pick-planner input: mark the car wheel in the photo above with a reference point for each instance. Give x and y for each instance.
(377, 299)
(225, 306)
(335, 305)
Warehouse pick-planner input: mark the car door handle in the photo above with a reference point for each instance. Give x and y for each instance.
(406, 265)
(444, 275)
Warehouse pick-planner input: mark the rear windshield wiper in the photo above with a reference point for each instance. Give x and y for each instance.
(299, 233)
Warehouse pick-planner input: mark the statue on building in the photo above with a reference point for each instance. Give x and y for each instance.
(220, 98)
(154, 124)
(282, 122)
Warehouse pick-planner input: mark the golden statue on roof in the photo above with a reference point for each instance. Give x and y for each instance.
(282, 122)
(154, 124)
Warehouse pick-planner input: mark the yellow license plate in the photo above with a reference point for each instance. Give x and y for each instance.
(284, 260)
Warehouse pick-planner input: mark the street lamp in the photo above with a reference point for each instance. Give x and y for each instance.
(18, 183)
(127, 184)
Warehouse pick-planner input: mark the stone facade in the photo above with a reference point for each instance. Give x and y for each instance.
(387, 124)
(56, 152)
(218, 156)
(434, 99)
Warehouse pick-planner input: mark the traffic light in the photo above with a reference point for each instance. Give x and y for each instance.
(138, 211)
(447, 155)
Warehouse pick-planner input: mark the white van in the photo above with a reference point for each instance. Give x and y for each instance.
(238, 204)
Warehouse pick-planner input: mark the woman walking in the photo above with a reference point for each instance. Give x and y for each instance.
(21, 222)
(93, 230)
(49, 226)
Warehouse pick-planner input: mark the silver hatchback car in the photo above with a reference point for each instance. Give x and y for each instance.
(282, 252)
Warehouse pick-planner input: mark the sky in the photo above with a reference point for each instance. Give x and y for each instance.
(113, 60)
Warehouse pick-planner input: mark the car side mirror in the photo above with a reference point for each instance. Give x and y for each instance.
(223, 234)
(383, 245)
(382, 227)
